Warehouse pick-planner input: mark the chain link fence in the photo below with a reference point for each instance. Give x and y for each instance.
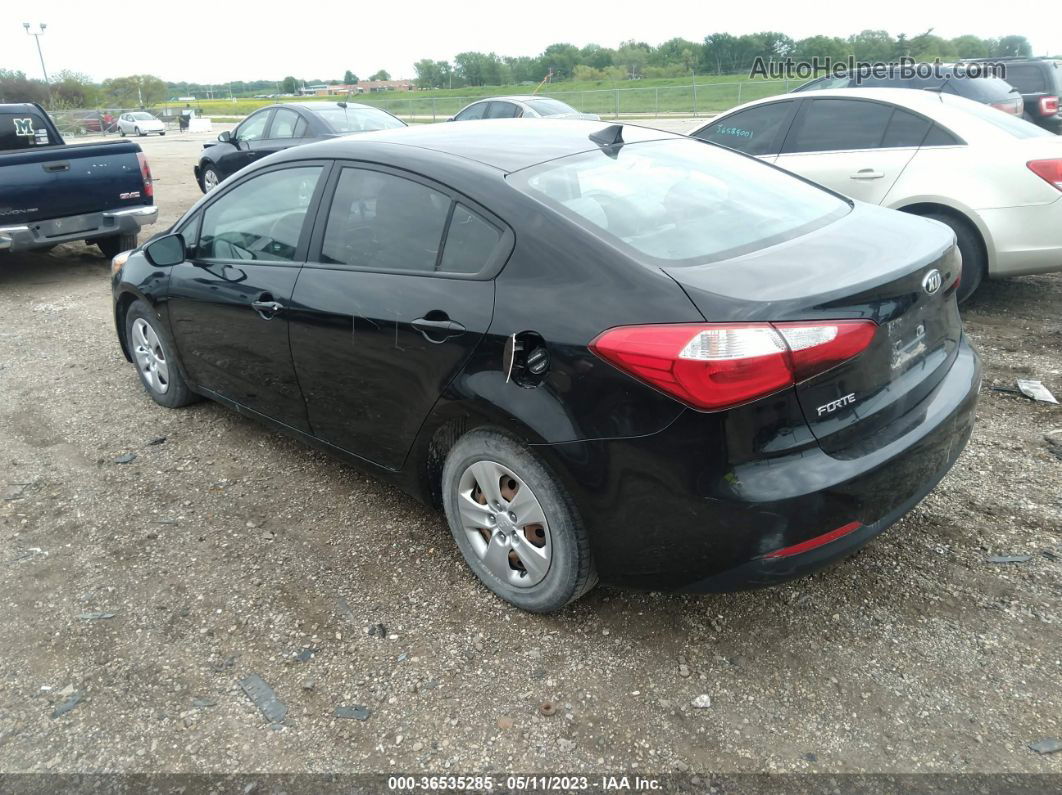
(694, 99)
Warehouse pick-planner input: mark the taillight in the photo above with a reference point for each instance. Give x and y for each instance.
(1048, 170)
(1012, 106)
(145, 172)
(712, 366)
(1048, 106)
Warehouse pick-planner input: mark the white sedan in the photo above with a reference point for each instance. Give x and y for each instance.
(995, 179)
(139, 123)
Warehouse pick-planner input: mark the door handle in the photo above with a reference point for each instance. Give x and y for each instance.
(266, 307)
(438, 329)
(868, 173)
(61, 165)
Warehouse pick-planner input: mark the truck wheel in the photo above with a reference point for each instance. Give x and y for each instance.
(514, 523)
(116, 244)
(153, 354)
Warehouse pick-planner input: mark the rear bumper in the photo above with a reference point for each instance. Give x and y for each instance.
(1026, 240)
(42, 234)
(688, 509)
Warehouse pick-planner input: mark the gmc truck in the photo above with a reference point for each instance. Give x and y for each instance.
(52, 193)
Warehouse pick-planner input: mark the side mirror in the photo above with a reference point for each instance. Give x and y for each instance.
(225, 137)
(165, 251)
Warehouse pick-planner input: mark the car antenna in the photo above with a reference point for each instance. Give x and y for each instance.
(343, 105)
(609, 139)
(939, 90)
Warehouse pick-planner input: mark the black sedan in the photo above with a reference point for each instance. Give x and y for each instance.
(606, 351)
(280, 127)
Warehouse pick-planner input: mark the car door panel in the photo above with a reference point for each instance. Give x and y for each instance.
(247, 257)
(865, 175)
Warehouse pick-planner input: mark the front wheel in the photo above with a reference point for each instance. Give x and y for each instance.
(514, 523)
(209, 179)
(121, 131)
(152, 353)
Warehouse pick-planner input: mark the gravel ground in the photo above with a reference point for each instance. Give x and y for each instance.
(135, 597)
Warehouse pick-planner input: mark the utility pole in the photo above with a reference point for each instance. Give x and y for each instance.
(40, 32)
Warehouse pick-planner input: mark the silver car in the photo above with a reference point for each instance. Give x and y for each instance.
(520, 107)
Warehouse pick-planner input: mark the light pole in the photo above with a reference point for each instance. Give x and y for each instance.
(40, 52)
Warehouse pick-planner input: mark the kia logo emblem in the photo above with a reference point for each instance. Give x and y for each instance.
(932, 281)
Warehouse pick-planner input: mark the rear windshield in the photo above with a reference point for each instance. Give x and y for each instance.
(22, 131)
(550, 107)
(1012, 125)
(680, 201)
(983, 89)
(350, 120)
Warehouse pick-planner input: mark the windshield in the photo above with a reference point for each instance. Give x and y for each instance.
(550, 107)
(143, 117)
(350, 120)
(681, 201)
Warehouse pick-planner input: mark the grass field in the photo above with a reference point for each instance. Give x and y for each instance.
(678, 96)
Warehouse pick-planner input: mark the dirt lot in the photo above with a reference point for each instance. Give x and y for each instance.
(141, 593)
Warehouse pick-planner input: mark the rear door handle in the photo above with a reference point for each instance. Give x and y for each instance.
(60, 165)
(868, 173)
(438, 330)
(266, 307)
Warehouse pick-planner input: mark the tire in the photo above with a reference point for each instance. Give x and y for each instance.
(153, 354)
(162, 132)
(204, 182)
(136, 130)
(121, 131)
(558, 547)
(115, 244)
(972, 250)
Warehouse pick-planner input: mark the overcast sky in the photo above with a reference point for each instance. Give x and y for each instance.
(223, 40)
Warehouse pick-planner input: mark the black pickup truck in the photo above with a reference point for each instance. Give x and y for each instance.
(52, 193)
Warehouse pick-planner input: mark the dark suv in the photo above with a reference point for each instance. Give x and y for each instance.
(1040, 82)
(988, 90)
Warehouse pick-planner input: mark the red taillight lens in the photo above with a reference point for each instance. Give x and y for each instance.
(1012, 106)
(1048, 170)
(145, 172)
(1048, 106)
(712, 366)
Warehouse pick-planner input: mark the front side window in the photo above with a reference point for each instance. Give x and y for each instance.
(832, 125)
(383, 222)
(472, 112)
(284, 123)
(260, 219)
(253, 128)
(680, 202)
(756, 131)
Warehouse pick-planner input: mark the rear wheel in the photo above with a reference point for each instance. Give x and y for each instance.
(115, 244)
(973, 255)
(152, 353)
(515, 525)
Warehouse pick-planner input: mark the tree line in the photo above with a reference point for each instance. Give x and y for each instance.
(716, 54)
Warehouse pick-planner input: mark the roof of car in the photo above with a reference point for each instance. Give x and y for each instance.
(505, 144)
(915, 98)
(516, 98)
(322, 105)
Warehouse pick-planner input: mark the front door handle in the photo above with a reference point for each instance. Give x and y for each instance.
(868, 173)
(266, 307)
(439, 328)
(59, 165)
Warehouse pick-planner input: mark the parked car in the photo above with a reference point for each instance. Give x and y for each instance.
(606, 351)
(519, 107)
(1040, 82)
(139, 123)
(995, 179)
(993, 91)
(280, 127)
(52, 193)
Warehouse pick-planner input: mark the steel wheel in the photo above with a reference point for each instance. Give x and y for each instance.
(150, 358)
(505, 524)
(210, 180)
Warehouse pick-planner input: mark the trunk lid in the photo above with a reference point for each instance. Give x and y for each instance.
(873, 264)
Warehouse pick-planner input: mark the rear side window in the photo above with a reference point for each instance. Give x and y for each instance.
(831, 125)
(383, 222)
(680, 202)
(471, 242)
(284, 123)
(756, 131)
(260, 219)
(938, 136)
(501, 110)
(23, 131)
(905, 129)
